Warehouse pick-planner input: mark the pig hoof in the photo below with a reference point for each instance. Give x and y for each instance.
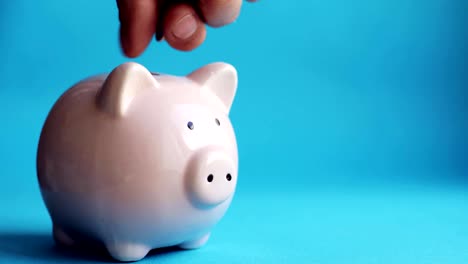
(197, 243)
(127, 251)
(61, 237)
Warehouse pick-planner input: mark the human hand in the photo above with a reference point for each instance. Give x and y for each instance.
(181, 22)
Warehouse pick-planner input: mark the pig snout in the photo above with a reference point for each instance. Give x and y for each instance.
(212, 177)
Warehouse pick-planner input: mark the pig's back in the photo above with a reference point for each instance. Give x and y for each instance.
(68, 138)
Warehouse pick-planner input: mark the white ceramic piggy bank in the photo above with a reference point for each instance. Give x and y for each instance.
(138, 160)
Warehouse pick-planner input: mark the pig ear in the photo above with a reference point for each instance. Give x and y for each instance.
(220, 78)
(122, 85)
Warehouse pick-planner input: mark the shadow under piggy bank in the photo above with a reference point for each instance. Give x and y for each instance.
(40, 247)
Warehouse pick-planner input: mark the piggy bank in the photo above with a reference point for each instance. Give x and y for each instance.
(137, 160)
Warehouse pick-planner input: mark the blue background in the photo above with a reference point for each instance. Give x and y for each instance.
(351, 118)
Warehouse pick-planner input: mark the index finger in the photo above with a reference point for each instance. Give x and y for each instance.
(138, 21)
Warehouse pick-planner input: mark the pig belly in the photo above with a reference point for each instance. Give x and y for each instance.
(86, 220)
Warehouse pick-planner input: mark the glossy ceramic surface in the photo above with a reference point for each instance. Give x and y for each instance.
(138, 160)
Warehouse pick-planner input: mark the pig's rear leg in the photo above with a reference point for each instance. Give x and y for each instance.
(127, 251)
(61, 237)
(197, 243)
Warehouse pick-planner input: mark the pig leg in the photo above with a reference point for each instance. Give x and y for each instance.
(197, 243)
(127, 251)
(61, 237)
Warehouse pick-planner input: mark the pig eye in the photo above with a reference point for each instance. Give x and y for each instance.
(190, 125)
(217, 121)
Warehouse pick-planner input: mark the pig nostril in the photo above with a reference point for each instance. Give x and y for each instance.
(210, 178)
(228, 177)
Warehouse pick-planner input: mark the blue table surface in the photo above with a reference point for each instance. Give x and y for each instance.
(357, 224)
(348, 116)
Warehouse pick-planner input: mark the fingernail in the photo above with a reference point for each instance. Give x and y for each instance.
(185, 27)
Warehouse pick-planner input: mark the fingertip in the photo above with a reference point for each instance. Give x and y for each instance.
(183, 28)
(132, 46)
(218, 13)
(137, 25)
(126, 46)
